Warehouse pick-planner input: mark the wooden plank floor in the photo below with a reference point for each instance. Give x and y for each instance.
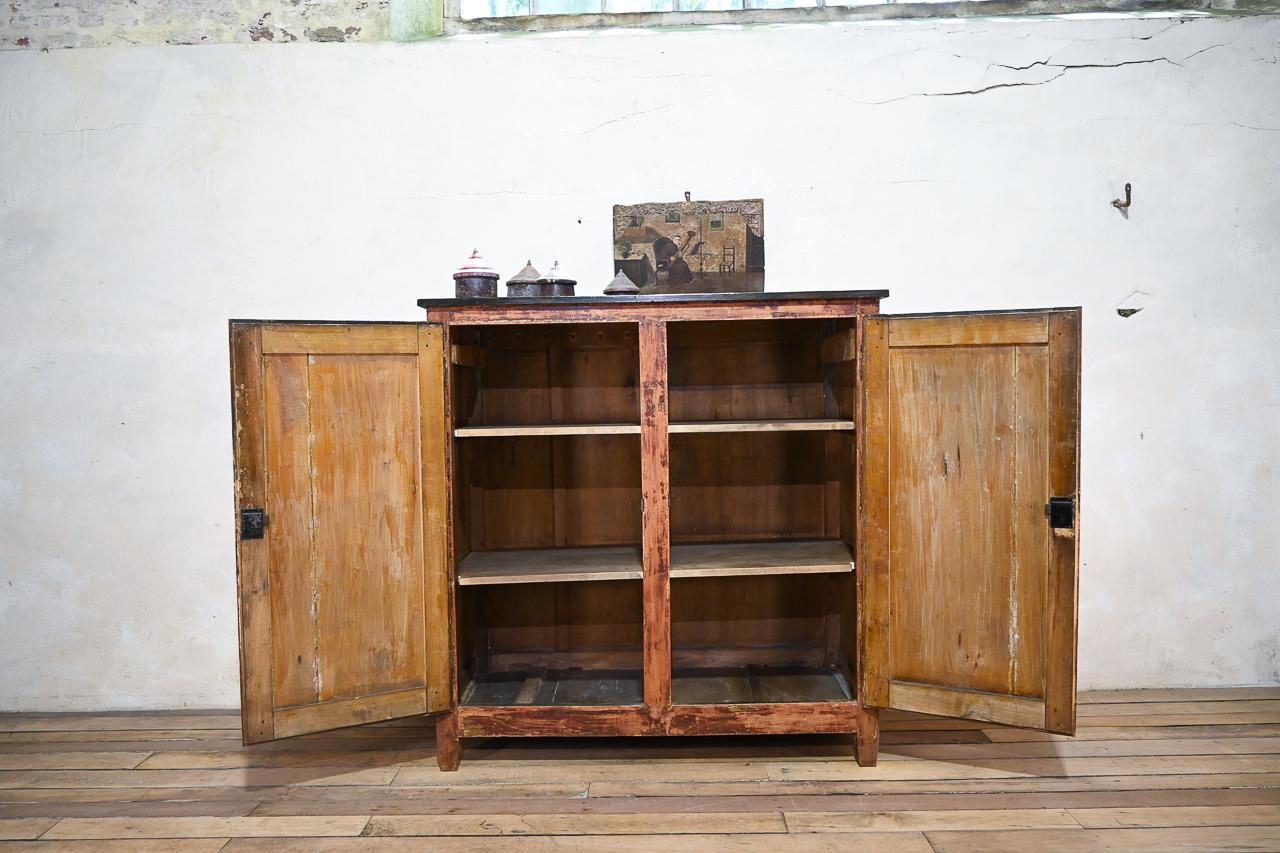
(1164, 770)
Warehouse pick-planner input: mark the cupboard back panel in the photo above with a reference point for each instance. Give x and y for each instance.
(540, 374)
(745, 370)
(968, 429)
(727, 486)
(346, 611)
(543, 492)
(550, 618)
(778, 620)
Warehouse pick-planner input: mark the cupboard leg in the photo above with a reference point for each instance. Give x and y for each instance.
(448, 744)
(868, 736)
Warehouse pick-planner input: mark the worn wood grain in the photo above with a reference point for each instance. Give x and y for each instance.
(547, 429)
(1180, 840)
(90, 725)
(976, 329)
(1255, 815)
(59, 779)
(901, 842)
(876, 653)
(437, 591)
(760, 558)
(915, 821)
(448, 742)
(290, 538)
(343, 450)
(960, 570)
(168, 845)
(1194, 787)
(72, 760)
(1172, 695)
(550, 565)
(369, 588)
(205, 827)
(339, 339)
(795, 425)
(384, 705)
(500, 313)
(966, 704)
(1256, 785)
(21, 829)
(1064, 553)
(252, 562)
(655, 486)
(576, 824)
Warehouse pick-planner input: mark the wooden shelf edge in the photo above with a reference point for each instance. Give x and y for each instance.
(702, 559)
(743, 559)
(824, 569)
(551, 565)
(547, 429)
(559, 577)
(792, 425)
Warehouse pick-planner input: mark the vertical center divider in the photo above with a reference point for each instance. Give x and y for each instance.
(655, 490)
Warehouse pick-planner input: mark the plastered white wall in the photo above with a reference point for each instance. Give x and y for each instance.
(148, 194)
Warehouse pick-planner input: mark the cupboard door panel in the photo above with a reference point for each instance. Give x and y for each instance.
(971, 426)
(340, 437)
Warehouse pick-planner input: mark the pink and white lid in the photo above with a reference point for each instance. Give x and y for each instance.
(475, 267)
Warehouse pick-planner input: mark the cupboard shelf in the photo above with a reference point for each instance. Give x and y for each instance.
(789, 425)
(546, 429)
(550, 565)
(699, 560)
(697, 686)
(727, 559)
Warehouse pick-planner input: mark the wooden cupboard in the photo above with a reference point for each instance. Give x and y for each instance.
(681, 514)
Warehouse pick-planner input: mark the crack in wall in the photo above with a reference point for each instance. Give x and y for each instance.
(1062, 69)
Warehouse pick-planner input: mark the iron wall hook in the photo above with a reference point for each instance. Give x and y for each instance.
(1128, 199)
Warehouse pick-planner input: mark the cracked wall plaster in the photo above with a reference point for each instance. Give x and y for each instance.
(147, 194)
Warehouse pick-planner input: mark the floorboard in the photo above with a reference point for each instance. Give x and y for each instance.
(1159, 770)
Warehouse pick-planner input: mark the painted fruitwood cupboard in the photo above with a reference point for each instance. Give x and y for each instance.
(693, 514)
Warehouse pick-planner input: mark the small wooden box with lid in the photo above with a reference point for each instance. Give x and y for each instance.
(657, 515)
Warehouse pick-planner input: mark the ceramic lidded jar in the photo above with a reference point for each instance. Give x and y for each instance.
(557, 283)
(525, 282)
(475, 278)
(621, 286)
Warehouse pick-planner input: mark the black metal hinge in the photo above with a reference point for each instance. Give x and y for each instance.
(253, 522)
(1061, 512)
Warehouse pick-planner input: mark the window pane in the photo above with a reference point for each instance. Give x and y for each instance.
(493, 8)
(567, 7)
(709, 5)
(639, 5)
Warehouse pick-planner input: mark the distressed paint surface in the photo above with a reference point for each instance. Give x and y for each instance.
(147, 194)
(55, 24)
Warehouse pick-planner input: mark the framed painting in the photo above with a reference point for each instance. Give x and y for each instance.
(691, 246)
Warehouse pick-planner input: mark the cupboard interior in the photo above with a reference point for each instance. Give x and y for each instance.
(762, 457)
(545, 375)
(547, 527)
(547, 486)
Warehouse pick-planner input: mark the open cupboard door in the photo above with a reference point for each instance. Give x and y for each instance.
(341, 503)
(968, 534)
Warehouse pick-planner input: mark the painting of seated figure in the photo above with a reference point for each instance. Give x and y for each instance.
(691, 246)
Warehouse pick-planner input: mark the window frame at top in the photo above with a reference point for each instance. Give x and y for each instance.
(866, 10)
